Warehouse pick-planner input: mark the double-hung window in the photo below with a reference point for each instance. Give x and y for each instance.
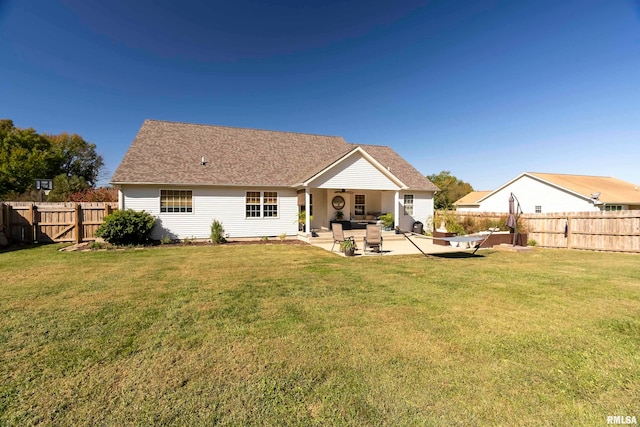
(261, 204)
(408, 204)
(176, 201)
(270, 204)
(359, 207)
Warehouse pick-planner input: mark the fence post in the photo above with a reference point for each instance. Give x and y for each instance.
(78, 224)
(9, 234)
(3, 239)
(107, 210)
(30, 226)
(569, 234)
(34, 223)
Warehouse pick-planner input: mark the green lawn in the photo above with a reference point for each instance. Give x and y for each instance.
(293, 335)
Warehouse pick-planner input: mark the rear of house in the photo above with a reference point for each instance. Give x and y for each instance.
(256, 182)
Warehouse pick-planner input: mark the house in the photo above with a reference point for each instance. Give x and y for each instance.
(256, 182)
(548, 192)
(470, 201)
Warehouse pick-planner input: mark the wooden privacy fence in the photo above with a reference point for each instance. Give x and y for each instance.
(617, 231)
(26, 222)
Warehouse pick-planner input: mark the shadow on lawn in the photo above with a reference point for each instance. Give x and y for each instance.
(456, 255)
(20, 247)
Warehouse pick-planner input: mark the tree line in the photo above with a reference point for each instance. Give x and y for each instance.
(67, 158)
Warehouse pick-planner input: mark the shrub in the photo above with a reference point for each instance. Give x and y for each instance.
(217, 232)
(387, 220)
(127, 227)
(532, 242)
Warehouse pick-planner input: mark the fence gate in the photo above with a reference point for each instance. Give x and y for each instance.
(52, 222)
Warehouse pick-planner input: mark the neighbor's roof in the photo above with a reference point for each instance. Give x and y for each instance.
(612, 190)
(472, 198)
(170, 153)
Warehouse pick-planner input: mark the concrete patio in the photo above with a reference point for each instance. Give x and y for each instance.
(392, 244)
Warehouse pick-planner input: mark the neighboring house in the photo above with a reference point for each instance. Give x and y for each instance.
(257, 181)
(470, 201)
(548, 192)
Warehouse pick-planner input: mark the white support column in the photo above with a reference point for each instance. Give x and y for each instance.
(396, 209)
(307, 210)
(120, 200)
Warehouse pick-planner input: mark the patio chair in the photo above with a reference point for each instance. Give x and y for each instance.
(373, 238)
(338, 234)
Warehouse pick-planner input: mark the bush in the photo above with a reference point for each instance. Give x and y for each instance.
(127, 227)
(388, 220)
(217, 232)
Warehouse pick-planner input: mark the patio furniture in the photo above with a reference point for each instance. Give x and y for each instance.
(338, 234)
(373, 238)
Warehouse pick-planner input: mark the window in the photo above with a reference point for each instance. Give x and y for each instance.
(538, 209)
(270, 204)
(253, 204)
(176, 201)
(408, 204)
(359, 206)
(261, 204)
(612, 207)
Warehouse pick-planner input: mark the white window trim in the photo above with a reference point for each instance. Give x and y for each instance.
(193, 201)
(364, 205)
(262, 204)
(404, 204)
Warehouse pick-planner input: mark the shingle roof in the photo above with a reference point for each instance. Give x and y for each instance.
(171, 152)
(612, 190)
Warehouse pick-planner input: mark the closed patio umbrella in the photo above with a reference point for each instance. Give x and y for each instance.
(512, 220)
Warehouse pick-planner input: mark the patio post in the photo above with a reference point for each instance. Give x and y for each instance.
(396, 209)
(307, 216)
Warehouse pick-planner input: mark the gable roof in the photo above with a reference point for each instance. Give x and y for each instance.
(472, 198)
(171, 152)
(612, 190)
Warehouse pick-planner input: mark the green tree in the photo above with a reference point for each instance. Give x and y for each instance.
(76, 157)
(451, 189)
(64, 186)
(26, 155)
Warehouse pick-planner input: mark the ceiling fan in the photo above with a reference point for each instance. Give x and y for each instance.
(341, 191)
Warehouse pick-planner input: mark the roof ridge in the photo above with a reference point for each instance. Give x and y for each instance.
(368, 145)
(243, 128)
(572, 174)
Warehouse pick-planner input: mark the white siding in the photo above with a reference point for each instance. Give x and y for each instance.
(531, 193)
(354, 172)
(227, 205)
(422, 210)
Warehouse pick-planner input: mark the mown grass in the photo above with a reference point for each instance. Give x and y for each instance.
(293, 335)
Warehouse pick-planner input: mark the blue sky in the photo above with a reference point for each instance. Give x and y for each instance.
(485, 89)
